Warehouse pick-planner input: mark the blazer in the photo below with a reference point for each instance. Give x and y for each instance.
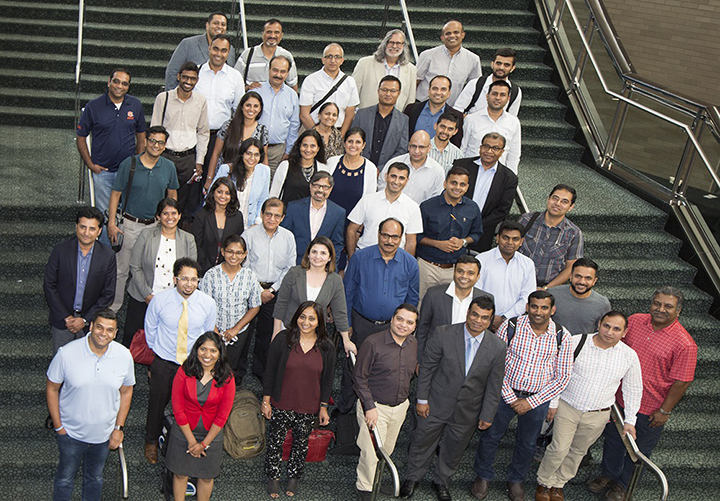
(60, 281)
(195, 49)
(259, 191)
(436, 310)
(396, 139)
(205, 231)
(293, 292)
(277, 358)
(187, 409)
(413, 111)
(297, 220)
(144, 255)
(368, 73)
(442, 381)
(499, 200)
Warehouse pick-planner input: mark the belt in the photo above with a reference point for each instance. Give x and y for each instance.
(181, 154)
(266, 285)
(276, 144)
(392, 405)
(523, 393)
(444, 266)
(134, 219)
(600, 410)
(376, 322)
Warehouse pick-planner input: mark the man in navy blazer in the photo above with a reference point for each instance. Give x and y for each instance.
(79, 279)
(386, 128)
(316, 216)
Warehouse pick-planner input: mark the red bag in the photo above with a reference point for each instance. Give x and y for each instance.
(139, 349)
(318, 444)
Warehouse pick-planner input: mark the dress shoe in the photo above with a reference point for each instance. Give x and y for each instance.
(516, 491)
(600, 484)
(364, 495)
(617, 493)
(442, 492)
(480, 488)
(556, 494)
(407, 489)
(151, 453)
(542, 493)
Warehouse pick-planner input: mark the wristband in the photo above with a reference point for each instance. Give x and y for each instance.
(206, 447)
(58, 429)
(323, 404)
(663, 412)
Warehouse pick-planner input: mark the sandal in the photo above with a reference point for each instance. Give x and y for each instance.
(273, 488)
(292, 486)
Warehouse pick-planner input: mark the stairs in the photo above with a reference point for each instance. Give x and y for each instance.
(623, 233)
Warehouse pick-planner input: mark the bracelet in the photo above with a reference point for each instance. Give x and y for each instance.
(58, 429)
(323, 404)
(206, 447)
(265, 403)
(663, 412)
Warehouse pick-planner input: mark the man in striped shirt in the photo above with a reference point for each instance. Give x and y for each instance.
(537, 370)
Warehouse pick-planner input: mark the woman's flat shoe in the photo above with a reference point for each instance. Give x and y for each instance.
(273, 488)
(292, 486)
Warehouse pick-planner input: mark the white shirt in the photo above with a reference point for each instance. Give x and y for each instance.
(459, 308)
(459, 68)
(260, 65)
(596, 376)
(317, 84)
(316, 218)
(466, 95)
(445, 157)
(478, 124)
(425, 182)
(222, 90)
(163, 276)
(482, 183)
(511, 283)
(374, 208)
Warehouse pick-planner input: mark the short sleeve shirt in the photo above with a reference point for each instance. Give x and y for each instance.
(148, 185)
(317, 84)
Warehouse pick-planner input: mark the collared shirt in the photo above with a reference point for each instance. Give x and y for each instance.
(163, 316)
(375, 288)
(281, 114)
(317, 84)
(426, 119)
(534, 363)
(113, 130)
(551, 247)
(425, 181)
(468, 92)
(186, 121)
(510, 282)
(459, 68)
(270, 257)
(446, 157)
(233, 298)
(392, 70)
(148, 185)
(316, 218)
(374, 208)
(90, 392)
(482, 184)
(384, 369)
(597, 374)
(478, 124)
(380, 130)
(83, 268)
(222, 90)
(442, 221)
(460, 306)
(666, 355)
(260, 65)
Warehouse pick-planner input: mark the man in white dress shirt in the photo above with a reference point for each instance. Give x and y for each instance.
(472, 99)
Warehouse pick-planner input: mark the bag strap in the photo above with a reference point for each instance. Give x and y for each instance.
(530, 223)
(167, 97)
(329, 93)
(510, 332)
(580, 345)
(559, 335)
(247, 64)
(129, 184)
(476, 95)
(514, 92)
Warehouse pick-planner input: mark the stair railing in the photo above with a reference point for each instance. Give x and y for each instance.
(408, 27)
(78, 110)
(124, 480)
(241, 23)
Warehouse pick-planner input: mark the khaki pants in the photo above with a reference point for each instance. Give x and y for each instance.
(275, 154)
(431, 275)
(131, 232)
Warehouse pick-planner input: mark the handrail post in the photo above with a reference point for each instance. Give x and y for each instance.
(124, 479)
(81, 171)
(616, 128)
(243, 24)
(682, 176)
(408, 26)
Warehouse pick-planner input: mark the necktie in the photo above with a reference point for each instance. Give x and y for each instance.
(181, 352)
(470, 350)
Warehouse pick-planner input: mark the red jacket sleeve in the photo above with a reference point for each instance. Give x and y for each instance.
(226, 403)
(179, 399)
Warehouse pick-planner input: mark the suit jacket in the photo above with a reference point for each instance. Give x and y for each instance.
(60, 281)
(436, 310)
(413, 111)
(297, 220)
(442, 381)
(205, 231)
(195, 49)
(368, 73)
(144, 255)
(396, 139)
(499, 200)
(185, 404)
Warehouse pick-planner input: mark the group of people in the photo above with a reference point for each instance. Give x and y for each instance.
(247, 209)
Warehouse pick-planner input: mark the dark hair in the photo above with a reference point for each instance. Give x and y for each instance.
(390, 78)
(272, 20)
(328, 103)
(105, 313)
(239, 171)
(355, 130)
(667, 290)
(384, 221)
(90, 213)
(216, 13)
(506, 52)
(185, 262)
(450, 117)
(166, 202)
(542, 294)
(564, 187)
(441, 76)
(468, 259)
(586, 263)
(120, 69)
(222, 36)
(157, 129)
(294, 157)
(280, 56)
(234, 138)
(273, 202)
(407, 307)
(399, 166)
(233, 205)
(511, 226)
(615, 313)
(499, 83)
(484, 303)
(494, 135)
(234, 239)
(222, 371)
(293, 332)
(330, 266)
(189, 66)
(457, 171)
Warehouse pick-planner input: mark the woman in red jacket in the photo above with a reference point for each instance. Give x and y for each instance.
(202, 398)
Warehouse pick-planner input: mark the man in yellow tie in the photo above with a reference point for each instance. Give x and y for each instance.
(175, 318)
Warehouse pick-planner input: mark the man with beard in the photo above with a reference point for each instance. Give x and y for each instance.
(441, 149)
(424, 115)
(261, 55)
(472, 98)
(577, 307)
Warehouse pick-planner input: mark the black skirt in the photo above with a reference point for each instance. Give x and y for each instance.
(181, 463)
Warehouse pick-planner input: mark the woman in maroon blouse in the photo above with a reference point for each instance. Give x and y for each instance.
(296, 389)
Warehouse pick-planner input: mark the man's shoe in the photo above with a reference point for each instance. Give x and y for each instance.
(617, 493)
(442, 492)
(600, 484)
(480, 488)
(364, 495)
(542, 493)
(516, 491)
(556, 494)
(151, 453)
(407, 489)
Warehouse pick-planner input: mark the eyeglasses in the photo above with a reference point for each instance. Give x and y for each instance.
(494, 149)
(323, 187)
(336, 57)
(398, 44)
(388, 91)
(270, 215)
(188, 78)
(192, 280)
(156, 141)
(252, 155)
(117, 81)
(418, 146)
(234, 253)
(388, 236)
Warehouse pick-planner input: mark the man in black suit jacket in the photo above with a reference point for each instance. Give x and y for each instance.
(495, 198)
(80, 262)
(438, 95)
(461, 374)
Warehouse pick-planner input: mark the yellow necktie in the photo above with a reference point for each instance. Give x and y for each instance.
(181, 352)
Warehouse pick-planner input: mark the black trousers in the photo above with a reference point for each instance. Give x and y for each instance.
(162, 374)
(237, 354)
(263, 333)
(185, 167)
(134, 319)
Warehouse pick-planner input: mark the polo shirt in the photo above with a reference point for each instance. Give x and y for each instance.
(317, 84)
(281, 114)
(459, 68)
(222, 90)
(442, 221)
(424, 183)
(478, 124)
(374, 208)
(113, 130)
(90, 392)
(260, 65)
(148, 186)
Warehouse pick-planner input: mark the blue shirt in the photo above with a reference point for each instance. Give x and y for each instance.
(113, 130)
(426, 121)
(148, 185)
(281, 114)
(375, 288)
(83, 267)
(483, 183)
(441, 221)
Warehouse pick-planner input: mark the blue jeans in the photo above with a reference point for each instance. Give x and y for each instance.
(72, 453)
(103, 183)
(528, 429)
(616, 464)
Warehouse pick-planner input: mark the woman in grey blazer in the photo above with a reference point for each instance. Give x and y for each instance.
(314, 280)
(156, 250)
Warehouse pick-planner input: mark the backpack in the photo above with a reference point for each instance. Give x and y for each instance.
(514, 91)
(244, 432)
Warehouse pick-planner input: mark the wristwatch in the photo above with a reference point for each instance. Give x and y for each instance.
(465, 242)
(120, 428)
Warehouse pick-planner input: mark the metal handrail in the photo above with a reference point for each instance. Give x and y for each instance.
(124, 482)
(78, 64)
(408, 26)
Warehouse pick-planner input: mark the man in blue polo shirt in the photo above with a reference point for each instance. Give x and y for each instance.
(117, 123)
